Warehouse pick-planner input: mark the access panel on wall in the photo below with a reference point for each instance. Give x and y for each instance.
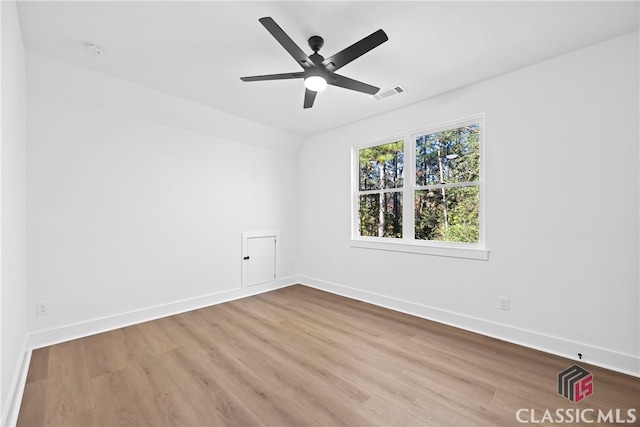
(259, 257)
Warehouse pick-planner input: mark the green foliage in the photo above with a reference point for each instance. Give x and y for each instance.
(370, 211)
(428, 214)
(448, 157)
(441, 213)
(381, 167)
(463, 216)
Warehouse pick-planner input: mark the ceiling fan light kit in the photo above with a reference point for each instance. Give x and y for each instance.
(315, 83)
(319, 72)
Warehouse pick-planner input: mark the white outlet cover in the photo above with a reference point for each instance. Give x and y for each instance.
(42, 308)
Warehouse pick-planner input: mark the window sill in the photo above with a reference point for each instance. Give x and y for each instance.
(452, 251)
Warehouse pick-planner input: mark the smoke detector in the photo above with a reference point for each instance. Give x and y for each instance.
(92, 49)
(387, 93)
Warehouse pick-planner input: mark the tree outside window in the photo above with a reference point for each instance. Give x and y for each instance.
(447, 201)
(381, 179)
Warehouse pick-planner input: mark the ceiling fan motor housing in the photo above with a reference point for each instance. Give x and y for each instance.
(316, 43)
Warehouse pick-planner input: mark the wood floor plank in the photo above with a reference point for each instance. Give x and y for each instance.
(286, 352)
(135, 345)
(301, 386)
(267, 312)
(319, 403)
(436, 413)
(32, 408)
(266, 401)
(117, 402)
(221, 328)
(340, 322)
(358, 371)
(158, 335)
(104, 353)
(472, 399)
(68, 384)
(476, 360)
(224, 408)
(355, 346)
(39, 365)
(298, 356)
(370, 322)
(341, 363)
(87, 418)
(379, 412)
(163, 394)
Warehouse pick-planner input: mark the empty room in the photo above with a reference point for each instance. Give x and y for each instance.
(300, 213)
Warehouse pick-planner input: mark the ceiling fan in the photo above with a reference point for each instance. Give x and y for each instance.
(317, 71)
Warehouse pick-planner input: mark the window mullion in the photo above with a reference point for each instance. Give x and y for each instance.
(408, 204)
(355, 200)
(451, 185)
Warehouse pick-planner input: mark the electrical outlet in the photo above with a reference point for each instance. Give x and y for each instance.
(42, 308)
(504, 303)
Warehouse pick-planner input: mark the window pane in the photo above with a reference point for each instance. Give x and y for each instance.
(449, 156)
(448, 214)
(381, 166)
(381, 214)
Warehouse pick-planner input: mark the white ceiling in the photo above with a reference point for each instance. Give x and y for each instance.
(199, 50)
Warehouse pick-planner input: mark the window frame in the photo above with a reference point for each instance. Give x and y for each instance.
(408, 242)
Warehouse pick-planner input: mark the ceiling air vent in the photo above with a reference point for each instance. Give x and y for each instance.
(387, 93)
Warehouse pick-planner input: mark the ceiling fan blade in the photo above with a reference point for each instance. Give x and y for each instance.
(282, 76)
(309, 97)
(354, 51)
(348, 83)
(286, 42)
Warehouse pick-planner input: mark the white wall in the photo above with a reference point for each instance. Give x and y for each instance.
(561, 210)
(134, 200)
(13, 279)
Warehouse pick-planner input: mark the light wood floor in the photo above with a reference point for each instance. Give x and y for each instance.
(298, 357)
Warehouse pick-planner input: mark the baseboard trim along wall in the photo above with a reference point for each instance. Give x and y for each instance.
(619, 362)
(14, 397)
(53, 336)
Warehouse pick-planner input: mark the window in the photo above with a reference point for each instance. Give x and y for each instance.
(381, 170)
(421, 192)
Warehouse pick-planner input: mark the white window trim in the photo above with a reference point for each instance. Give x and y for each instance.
(408, 243)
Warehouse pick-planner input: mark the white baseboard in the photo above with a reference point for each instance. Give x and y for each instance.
(94, 326)
(14, 397)
(615, 361)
